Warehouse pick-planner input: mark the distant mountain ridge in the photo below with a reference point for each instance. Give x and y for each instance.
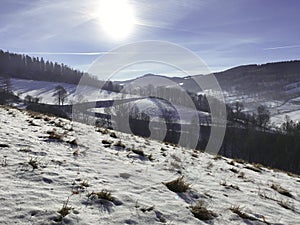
(246, 79)
(275, 85)
(249, 78)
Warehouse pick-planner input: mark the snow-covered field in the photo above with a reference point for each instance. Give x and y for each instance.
(278, 109)
(43, 168)
(46, 90)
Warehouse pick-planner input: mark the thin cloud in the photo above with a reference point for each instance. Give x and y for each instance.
(283, 47)
(64, 53)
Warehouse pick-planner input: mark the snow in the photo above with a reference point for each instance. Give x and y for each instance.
(33, 196)
(45, 90)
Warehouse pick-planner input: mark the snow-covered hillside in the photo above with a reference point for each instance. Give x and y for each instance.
(46, 91)
(54, 171)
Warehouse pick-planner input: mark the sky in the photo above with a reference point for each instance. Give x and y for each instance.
(223, 34)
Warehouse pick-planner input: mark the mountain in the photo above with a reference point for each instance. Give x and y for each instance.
(55, 171)
(276, 85)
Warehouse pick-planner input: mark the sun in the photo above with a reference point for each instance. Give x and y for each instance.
(117, 18)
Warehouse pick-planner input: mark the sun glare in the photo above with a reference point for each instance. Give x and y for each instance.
(117, 18)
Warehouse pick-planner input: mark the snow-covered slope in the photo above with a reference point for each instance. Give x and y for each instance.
(43, 169)
(46, 91)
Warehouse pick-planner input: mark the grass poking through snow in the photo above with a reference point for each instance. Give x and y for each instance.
(178, 185)
(201, 212)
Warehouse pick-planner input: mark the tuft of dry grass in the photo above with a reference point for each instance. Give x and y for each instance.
(64, 211)
(148, 209)
(4, 161)
(119, 144)
(234, 170)
(102, 131)
(228, 186)
(231, 163)
(176, 158)
(195, 155)
(201, 212)
(209, 165)
(32, 123)
(241, 161)
(281, 190)
(293, 175)
(237, 210)
(286, 205)
(4, 146)
(84, 184)
(151, 158)
(33, 163)
(254, 168)
(54, 135)
(138, 152)
(241, 175)
(113, 135)
(104, 195)
(73, 143)
(106, 143)
(217, 157)
(178, 185)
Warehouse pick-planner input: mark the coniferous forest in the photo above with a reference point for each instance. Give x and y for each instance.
(34, 68)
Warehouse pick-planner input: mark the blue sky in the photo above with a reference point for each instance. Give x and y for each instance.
(223, 33)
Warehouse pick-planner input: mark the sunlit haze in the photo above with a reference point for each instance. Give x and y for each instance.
(223, 33)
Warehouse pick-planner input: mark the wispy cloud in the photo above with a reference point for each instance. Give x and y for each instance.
(283, 47)
(65, 53)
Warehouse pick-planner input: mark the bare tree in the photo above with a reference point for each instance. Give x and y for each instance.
(237, 109)
(263, 116)
(61, 94)
(5, 84)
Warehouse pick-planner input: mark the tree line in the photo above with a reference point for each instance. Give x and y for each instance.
(35, 68)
